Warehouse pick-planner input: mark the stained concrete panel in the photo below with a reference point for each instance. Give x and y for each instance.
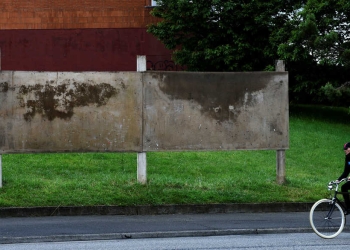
(6, 109)
(150, 111)
(69, 111)
(215, 111)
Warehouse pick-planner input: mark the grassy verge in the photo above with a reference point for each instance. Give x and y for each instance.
(314, 158)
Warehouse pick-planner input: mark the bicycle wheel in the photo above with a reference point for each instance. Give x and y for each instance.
(327, 219)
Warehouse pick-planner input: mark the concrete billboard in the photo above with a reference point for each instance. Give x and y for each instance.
(68, 111)
(142, 111)
(215, 111)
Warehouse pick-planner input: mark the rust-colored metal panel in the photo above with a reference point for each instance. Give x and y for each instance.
(215, 111)
(70, 111)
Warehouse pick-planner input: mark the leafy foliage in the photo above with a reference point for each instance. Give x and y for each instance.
(220, 35)
(316, 43)
(320, 32)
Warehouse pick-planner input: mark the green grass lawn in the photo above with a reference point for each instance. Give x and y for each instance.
(74, 179)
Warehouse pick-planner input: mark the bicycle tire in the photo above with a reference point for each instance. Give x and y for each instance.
(325, 222)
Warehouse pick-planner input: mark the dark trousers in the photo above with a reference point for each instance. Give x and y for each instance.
(346, 188)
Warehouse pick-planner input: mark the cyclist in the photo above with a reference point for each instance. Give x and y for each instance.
(346, 187)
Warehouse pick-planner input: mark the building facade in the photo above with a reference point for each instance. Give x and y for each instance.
(78, 35)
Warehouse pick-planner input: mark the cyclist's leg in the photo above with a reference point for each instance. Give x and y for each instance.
(345, 188)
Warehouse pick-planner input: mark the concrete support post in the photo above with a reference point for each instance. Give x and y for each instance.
(141, 63)
(141, 156)
(281, 166)
(280, 154)
(0, 171)
(280, 66)
(142, 167)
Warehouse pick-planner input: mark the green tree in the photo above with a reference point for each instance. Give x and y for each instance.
(320, 33)
(315, 44)
(221, 35)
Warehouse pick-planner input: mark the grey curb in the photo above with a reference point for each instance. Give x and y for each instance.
(154, 210)
(142, 235)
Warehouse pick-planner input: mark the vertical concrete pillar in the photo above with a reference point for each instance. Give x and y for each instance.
(0, 154)
(280, 154)
(141, 64)
(141, 156)
(280, 66)
(142, 167)
(0, 171)
(281, 166)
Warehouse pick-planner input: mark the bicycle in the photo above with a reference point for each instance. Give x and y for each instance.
(327, 217)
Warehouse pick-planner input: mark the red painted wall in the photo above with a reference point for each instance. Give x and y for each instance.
(78, 49)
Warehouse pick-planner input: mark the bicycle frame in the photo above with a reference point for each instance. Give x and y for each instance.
(334, 186)
(335, 200)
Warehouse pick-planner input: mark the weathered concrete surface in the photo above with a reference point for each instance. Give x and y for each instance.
(67, 111)
(215, 111)
(140, 112)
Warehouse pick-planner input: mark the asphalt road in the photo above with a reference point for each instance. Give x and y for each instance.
(297, 241)
(111, 227)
